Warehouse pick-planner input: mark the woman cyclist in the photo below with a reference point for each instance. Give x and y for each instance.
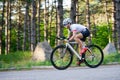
(79, 34)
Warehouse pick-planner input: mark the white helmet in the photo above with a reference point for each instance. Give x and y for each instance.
(67, 21)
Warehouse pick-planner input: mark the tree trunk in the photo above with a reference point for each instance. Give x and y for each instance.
(88, 18)
(29, 31)
(25, 27)
(0, 39)
(19, 28)
(50, 22)
(33, 26)
(38, 25)
(1, 28)
(114, 27)
(7, 29)
(29, 26)
(60, 19)
(10, 26)
(73, 10)
(56, 31)
(77, 11)
(118, 21)
(45, 22)
(107, 19)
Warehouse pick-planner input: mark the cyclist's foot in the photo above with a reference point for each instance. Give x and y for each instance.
(83, 50)
(79, 62)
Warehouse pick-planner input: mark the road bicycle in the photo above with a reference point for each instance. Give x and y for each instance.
(62, 55)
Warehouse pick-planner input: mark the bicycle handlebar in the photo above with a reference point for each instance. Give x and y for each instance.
(66, 40)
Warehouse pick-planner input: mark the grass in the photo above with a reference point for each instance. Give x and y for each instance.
(19, 60)
(112, 58)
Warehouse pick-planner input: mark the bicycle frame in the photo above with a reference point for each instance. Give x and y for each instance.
(72, 49)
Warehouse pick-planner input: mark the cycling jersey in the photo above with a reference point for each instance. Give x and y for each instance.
(80, 29)
(77, 28)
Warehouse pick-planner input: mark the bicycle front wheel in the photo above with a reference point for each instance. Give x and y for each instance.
(94, 56)
(61, 57)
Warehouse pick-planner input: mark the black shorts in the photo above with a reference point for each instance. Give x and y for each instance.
(85, 34)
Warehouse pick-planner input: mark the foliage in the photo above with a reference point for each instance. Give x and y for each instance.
(100, 35)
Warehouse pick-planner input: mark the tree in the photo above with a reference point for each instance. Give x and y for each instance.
(1, 27)
(33, 26)
(117, 15)
(60, 18)
(73, 10)
(38, 24)
(25, 26)
(88, 17)
(19, 26)
(46, 15)
(8, 28)
(114, 27)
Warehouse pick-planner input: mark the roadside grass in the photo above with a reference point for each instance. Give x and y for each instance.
(113, 58)
(19, 60)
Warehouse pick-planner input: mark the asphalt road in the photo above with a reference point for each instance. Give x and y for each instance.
(111, 72)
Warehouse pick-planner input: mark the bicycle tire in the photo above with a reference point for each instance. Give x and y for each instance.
(61, 61)
(96, 58)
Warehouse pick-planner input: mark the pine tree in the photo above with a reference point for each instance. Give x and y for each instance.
(60, 19)
(33, 26)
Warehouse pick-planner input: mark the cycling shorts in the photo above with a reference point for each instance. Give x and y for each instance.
(85, 34)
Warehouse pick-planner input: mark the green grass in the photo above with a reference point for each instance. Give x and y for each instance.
(112, 58)
(19, 60)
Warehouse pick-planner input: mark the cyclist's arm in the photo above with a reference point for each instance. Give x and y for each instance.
(73, 35)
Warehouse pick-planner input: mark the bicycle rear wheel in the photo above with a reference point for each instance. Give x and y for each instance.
(94, 56)
(61, 57)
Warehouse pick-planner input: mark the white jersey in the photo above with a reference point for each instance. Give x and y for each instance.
(77, 28)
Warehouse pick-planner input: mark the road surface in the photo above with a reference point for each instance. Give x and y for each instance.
(111, 72)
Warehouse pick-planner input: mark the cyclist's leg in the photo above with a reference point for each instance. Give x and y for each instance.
(77, 39)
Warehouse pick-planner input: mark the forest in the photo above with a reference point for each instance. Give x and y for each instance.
(24, 23)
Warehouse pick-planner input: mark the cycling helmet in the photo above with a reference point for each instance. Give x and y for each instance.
(67, 21)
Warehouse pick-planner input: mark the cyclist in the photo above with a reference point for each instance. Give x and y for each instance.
(79, 34)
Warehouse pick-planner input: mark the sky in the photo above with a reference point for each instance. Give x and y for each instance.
(66, 3)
